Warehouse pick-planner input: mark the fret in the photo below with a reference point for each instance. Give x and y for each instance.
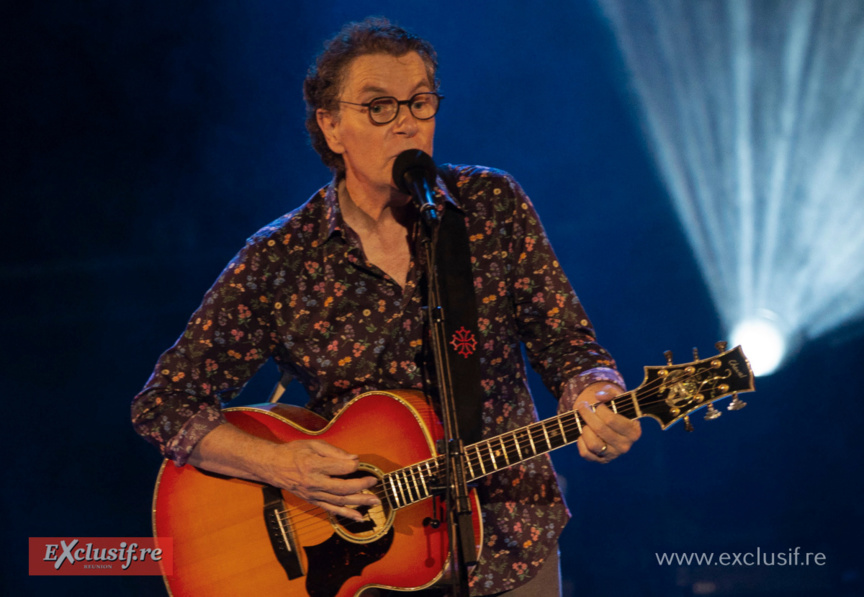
(504, 449)
(561, 427)
(416, 488)
(578, 421)
(393, 491)
(518, 448)
(614, 406)
(546, 433)
(399, 488)
(531, 440)
(433, 475)
(468, 462)
(480, 458)
(423, 481)
(401, 491)
(406, 478)
(635, 403)
(406, 495)
(492, 456)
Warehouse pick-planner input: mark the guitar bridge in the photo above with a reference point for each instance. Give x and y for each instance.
(279, 532)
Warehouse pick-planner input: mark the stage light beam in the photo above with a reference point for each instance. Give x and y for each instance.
(755, 115)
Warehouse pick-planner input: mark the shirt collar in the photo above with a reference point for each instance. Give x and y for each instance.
(442, 194)
(333, 223)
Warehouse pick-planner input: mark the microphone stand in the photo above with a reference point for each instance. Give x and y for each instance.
(459, 522)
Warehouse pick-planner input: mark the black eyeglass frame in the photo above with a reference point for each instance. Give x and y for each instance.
(399, 104)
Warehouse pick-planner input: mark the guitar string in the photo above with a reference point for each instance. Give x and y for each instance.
(521, 437)
(517, 437)
(552, 428)
(559, 428)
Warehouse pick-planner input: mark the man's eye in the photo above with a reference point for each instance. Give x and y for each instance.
(380, 106)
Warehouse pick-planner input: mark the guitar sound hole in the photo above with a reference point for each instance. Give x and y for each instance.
(376, 519)
(362, 526)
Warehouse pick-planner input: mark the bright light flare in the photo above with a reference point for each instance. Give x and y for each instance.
(755, 115)
(763, 343)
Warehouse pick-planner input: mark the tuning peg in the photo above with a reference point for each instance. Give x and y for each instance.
(688, 426)
(668, 355)
(695, 354)
(721, 346)
(737, 403)
(712, 413)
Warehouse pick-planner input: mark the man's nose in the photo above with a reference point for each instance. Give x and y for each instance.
(406, 123)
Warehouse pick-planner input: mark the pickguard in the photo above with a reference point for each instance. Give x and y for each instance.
(334, 561)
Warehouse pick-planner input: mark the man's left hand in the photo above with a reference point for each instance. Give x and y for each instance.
(605, 435)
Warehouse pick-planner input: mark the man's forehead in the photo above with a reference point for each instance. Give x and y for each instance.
(380, 72)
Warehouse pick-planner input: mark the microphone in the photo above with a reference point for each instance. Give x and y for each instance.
(414, 174)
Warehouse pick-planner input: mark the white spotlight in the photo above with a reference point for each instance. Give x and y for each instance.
(763, 343)
(756, 119)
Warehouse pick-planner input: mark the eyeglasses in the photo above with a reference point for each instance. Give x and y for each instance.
(383, 110)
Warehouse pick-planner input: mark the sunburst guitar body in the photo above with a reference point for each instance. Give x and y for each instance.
(234, 537)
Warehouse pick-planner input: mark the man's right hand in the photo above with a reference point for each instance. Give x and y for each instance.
(311, 469)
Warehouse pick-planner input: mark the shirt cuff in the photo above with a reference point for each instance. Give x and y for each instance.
(576, 385)
(193, 431)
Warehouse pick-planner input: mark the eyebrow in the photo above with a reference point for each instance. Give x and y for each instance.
(380, 91)
(372, 89)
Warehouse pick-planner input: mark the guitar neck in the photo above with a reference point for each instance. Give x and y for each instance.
(668, 394)
(511, 448)
(417, 482)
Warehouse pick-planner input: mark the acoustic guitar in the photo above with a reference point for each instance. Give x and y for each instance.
(234, 537)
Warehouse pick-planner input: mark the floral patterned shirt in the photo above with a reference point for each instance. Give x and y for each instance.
(302, 292)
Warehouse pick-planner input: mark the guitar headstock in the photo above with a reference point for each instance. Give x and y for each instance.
(671, 393)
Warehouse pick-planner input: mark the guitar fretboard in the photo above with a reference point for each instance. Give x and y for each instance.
(420, 481)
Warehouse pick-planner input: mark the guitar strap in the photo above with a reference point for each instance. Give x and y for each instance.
(456, 282)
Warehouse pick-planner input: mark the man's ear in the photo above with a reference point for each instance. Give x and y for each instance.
(329, 125)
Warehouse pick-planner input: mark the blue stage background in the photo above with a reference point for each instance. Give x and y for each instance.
(144, 141)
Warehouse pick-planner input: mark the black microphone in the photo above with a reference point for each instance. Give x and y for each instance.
(414, 173)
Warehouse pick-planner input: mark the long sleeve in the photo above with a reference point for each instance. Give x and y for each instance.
(224, 344)
(560, 342)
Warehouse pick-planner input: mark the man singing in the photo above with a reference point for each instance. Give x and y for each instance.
(334, 290)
